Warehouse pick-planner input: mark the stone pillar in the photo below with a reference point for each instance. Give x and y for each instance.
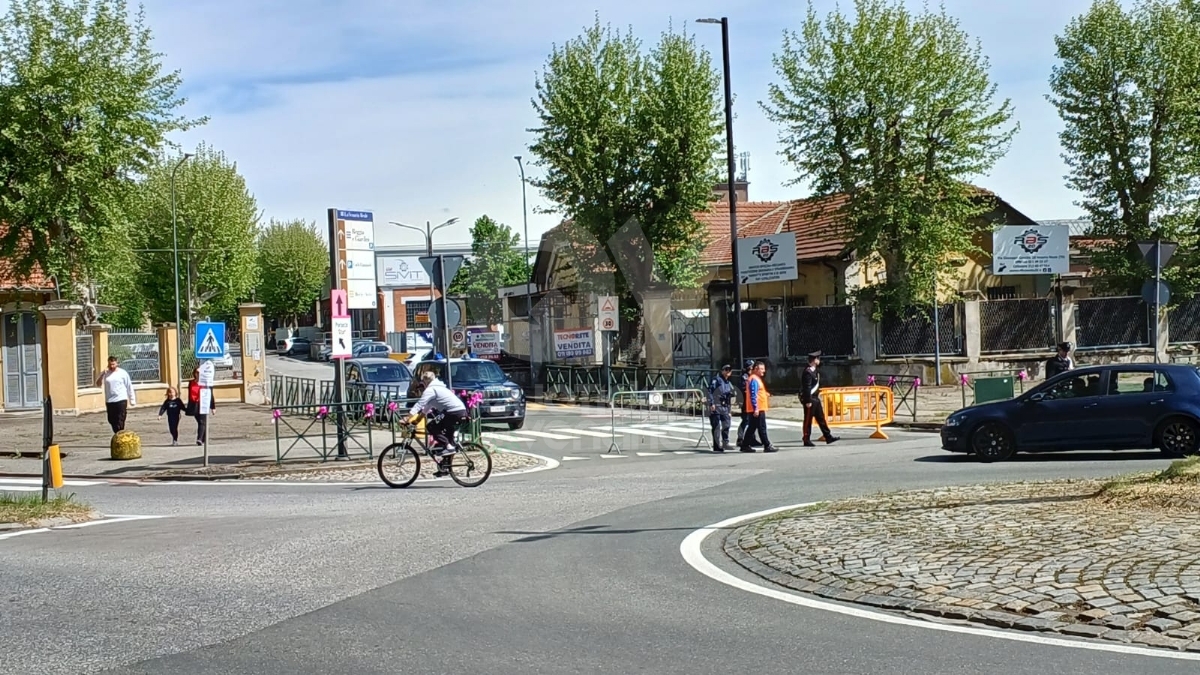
(168, 355)
(99, 333)
(1164, 336)
(59, 362)
(719, 306)
(973, 331)
(656, 317)
(1066, 319)
(253, 362)
(864, 334)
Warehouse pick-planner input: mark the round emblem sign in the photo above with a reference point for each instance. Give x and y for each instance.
(607, 324)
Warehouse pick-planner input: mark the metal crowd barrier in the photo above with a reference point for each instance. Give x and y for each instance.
(678, 408)
(859, 407)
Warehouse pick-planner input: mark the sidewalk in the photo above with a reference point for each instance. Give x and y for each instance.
(241, 437)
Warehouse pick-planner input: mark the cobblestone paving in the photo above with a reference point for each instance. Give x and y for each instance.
(1034, 557)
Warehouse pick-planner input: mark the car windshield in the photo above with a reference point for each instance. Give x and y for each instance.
(385, 372)
(478, 372)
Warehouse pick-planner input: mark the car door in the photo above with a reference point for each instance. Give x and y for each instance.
(1137, 400)
(1066, 415)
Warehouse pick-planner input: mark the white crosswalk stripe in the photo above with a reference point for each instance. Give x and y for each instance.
(492, 435)
(651, 433)
(35, 484)
(543, 434)
(585, 432)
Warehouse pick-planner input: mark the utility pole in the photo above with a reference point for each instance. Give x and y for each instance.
(175, 251)
(731, 171)
(529, 280)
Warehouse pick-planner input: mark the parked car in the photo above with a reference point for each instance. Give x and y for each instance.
(369, 348)
(293, 346)
(142, 369)
(1112, 407)
(376, 379)
(503, 400)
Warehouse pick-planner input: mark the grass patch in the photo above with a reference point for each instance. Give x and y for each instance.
(26, 508)
(1176, 487)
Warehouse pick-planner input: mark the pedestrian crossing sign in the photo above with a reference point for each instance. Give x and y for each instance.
(210, 340)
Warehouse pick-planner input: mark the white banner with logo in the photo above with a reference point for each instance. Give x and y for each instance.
(767, 258)
(570, 344)
(485, 344)
(1031, 249)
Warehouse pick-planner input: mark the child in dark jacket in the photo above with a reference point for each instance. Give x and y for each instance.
(173, 408)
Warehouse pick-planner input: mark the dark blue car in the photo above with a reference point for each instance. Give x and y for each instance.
(1113, 407)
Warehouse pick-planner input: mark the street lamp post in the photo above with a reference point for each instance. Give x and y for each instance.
(733, 234)
(175, 251)
(942, 116)
(529, 279)
(428, 231)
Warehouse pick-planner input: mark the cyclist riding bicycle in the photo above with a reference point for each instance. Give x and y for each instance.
(444, 411)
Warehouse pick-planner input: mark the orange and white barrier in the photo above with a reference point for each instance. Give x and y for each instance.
(858, 407)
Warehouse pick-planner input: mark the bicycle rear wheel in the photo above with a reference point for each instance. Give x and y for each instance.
(471, 465)
(399, 465)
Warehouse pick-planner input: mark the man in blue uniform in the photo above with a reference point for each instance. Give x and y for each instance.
(720, 401)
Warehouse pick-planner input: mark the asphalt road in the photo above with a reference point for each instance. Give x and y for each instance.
(575, 570)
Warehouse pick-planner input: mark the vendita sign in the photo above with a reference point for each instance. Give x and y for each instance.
(569, 344)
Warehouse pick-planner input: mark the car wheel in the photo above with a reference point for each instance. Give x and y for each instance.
(1178, 437)
(993, 442)
(516, 425)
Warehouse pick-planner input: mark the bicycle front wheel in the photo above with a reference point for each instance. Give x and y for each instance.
(399, 465)
(471, 465)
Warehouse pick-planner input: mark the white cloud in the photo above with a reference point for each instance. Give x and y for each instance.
(428, 128)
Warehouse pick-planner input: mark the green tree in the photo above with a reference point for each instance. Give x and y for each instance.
(293, 267)
(84, 106)
(629, 140)
(896, 111)
(495, 263)
(218, 227)
(1127, 87)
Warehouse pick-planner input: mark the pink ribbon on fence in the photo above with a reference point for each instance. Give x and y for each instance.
(870, 380)
(1022, 376)
(892, 381)
(369, 409)
(392, 406)
(322, 412)
(276, 414)
(916, 382)
(964, 379)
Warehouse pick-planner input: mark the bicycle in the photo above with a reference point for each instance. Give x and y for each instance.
(399, 463)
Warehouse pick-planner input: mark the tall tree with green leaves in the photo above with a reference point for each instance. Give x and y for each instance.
(1127, 87)
(293, 268)
(84, 107)
(494, 263)
(629, 143)
(217, 221)
(896, 110)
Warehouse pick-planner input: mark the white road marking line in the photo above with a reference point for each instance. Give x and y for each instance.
(107, 520)
(691, 550)
(613, 456)
(652, 454)
(574, 459)
(19, 488)
(585, 432)
(505, 437)
(652, 434)
(783, 423)
(543, 434)
(38, 482)
(687, 452)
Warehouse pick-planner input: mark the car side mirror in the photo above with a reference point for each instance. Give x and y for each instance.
(1036, 398)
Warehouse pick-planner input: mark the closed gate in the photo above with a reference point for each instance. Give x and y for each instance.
(22, 361)
(693, 339)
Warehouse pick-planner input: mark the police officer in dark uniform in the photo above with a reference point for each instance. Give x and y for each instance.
(1061, 362)
(810, 397)
(748, 423)
(720, 401)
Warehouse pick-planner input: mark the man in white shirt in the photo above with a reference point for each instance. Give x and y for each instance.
(118, 393)
(438, 399)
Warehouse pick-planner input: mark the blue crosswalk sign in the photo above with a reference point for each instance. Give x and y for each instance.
(210, 340)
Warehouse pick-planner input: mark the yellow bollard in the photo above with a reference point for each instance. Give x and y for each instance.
(56, 479)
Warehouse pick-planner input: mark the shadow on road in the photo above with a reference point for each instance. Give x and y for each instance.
(1077, 456)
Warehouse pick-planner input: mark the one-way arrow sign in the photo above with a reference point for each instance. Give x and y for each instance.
(451, 264)
(339, 304)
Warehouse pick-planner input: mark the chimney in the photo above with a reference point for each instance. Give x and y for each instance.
(741, 188)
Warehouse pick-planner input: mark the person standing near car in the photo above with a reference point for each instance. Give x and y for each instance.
(810, 398)
(720, 400)
(1060, 362)
(118, 394)
(758, 402)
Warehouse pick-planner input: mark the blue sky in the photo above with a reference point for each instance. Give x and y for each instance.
(414, 109)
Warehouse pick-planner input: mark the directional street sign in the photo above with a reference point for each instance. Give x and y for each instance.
(341, 342)
(453, 314)
(607, 312)
(339, 308)
(452, 263)
(210, 340)
(352, 256)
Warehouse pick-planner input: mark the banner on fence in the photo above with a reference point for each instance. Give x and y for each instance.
(1031, 249)
(569, 344)
(486, 345)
